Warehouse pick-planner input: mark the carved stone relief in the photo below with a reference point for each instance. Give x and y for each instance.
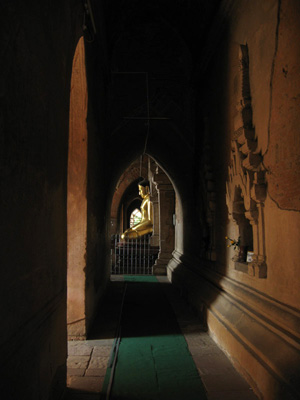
(246, 185)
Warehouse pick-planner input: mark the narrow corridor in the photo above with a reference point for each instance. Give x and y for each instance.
(158, 357)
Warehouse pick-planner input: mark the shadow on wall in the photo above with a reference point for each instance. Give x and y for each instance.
(240, 314)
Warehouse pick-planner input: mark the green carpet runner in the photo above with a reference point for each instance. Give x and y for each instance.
(153, 360)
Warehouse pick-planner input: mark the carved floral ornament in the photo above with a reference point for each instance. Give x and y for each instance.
(246, 186)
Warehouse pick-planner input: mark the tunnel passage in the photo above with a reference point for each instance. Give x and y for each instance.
(146, 344)
(210, 91)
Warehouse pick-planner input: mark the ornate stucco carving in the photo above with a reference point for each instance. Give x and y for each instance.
(246, 174)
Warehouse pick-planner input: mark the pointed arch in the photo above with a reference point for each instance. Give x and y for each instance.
(77, 196)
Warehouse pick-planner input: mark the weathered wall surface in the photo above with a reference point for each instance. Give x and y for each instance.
(250, 316)
(87, 275)
(282, 156)
(265, 34)
(77, 197)
(38, 42)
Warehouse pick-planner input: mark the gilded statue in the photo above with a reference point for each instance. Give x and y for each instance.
(146, 224)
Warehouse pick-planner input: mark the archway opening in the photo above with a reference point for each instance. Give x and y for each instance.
(135, 217)
(125, 210)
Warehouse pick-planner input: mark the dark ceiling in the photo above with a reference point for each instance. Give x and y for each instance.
(153, 50)
(148, 21)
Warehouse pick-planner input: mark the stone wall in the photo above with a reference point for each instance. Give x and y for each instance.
(38, 43)
(264, 32)
(77, 197)
(87, 267)
(252, 311)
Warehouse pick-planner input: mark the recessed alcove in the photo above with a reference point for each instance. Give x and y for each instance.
(241, 266)
(246, 184)
(244, 226)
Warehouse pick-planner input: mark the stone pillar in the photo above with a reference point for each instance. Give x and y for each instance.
(155, 202)
(166, 197)
(77, 199)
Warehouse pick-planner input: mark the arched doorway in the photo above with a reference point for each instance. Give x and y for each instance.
(126, 202)
(135, 217)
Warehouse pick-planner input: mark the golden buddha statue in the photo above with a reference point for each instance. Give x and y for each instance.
(146, 224)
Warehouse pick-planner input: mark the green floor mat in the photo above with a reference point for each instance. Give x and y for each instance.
(153, 361)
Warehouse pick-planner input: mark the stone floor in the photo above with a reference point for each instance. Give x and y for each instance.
(86, 366)
(88, 360)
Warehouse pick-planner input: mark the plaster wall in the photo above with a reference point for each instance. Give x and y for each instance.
(97, 257)
(268, 30)
(77, 197)
(251, 316)
(264, 31)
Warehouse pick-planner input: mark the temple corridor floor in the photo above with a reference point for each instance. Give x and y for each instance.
(164, 351)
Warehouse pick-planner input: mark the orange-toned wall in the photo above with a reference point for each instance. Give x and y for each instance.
(88, 270)
(255, 320)
(272, 49)
(77, 197)
(271, 31)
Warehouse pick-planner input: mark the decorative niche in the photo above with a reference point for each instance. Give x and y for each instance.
(246, 185)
